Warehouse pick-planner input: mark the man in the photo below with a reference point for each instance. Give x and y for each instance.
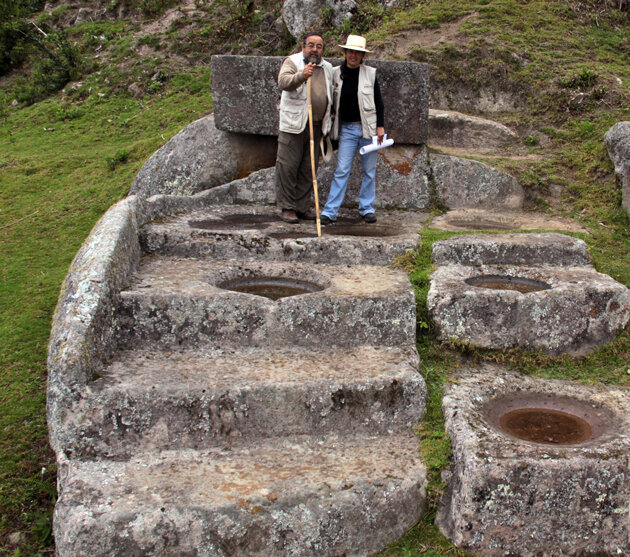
(294, 179)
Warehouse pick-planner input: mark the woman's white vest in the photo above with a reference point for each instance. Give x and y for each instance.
(294, 104)
(365, 93)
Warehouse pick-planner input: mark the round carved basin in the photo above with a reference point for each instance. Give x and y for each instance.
(273, 288)
(374, 231)
(549, 420)
(500, 282)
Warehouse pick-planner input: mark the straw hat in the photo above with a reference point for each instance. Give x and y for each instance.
(355, 42)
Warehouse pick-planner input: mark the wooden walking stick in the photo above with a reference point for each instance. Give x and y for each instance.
(310, 129)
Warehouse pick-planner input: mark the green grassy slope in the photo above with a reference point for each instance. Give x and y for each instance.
(66, 159)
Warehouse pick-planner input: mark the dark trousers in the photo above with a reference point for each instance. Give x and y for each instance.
(294, 178)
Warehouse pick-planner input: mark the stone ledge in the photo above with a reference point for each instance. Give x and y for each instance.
(246, 95)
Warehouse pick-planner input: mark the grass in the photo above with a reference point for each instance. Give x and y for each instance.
(64, 161)
(56, 182)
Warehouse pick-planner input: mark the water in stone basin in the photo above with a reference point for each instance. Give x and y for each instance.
(498, 282)
(270, 287)
(544, 425)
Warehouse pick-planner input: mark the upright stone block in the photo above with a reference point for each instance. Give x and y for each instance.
(246, 95)
(617, 141)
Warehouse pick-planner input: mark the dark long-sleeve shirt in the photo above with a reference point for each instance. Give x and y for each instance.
(349, 102)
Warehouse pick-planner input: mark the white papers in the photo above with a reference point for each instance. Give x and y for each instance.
(375, 145)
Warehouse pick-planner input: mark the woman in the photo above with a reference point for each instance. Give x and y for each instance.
(359, 112)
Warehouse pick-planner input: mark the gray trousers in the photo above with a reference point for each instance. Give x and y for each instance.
(294, 178)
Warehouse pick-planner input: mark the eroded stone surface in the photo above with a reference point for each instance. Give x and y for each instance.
(463, 183)
(238, 79)
(515, 249)
(617, 141)
(202, 157)
(290, 496)
(507, 496)
(582, 309)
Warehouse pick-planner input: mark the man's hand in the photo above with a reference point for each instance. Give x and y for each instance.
(380, 133)
(308, 70)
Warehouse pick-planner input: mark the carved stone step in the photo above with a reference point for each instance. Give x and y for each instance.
(239, 232)
(292, 496)
(193, 399)
(512, 249)
(176, 303)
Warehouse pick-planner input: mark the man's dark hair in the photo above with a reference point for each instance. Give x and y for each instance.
(312, 34)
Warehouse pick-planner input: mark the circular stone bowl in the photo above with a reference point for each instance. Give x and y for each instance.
(545, 419)
(270, 287)
(504, 282)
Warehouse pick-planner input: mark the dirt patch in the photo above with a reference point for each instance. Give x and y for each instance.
(431, 38)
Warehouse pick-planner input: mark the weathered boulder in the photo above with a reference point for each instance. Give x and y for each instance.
(617, 141)
(302, 15)
(201, 157)
(246, 96)
(464, 183)
(454, 129)
(509, 496)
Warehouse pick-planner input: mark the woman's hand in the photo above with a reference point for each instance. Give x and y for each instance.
(380, 133)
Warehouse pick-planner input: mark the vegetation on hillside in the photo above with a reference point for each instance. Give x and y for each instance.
(84, 104)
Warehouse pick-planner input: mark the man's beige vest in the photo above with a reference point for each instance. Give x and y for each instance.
(365, 93)
(294, 104)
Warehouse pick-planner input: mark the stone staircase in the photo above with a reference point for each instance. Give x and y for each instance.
(216, 422)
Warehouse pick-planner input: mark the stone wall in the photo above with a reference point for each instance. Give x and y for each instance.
(245, 95)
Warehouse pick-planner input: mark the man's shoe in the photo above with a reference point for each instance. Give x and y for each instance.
(288, 215)
(369, 218)
(309, 215)
(324, 219)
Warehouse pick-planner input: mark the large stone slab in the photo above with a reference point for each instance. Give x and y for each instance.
(246, 95)
(204, 397)
(581, 309)
(202, 157)
(617, 141)
(173, 303)
(515, 249)
(290, 496)
(509, 496)
(464, 183)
